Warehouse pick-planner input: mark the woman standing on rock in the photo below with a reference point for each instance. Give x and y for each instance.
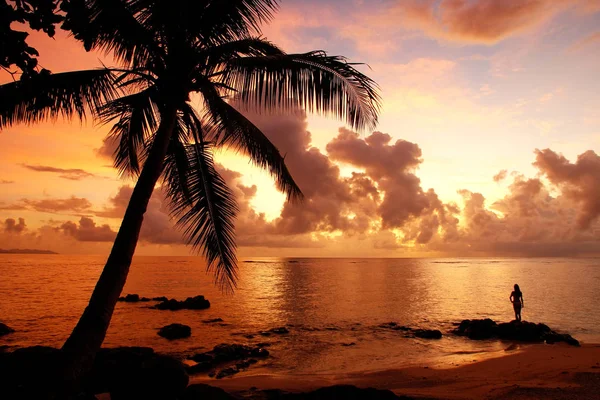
(516, 298)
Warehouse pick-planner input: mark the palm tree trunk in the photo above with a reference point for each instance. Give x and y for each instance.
(81, 347)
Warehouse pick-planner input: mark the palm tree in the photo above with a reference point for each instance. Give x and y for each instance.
(168, 51)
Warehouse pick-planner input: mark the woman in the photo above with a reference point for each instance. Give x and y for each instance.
(516, 298)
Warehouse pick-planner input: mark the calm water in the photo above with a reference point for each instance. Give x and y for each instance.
(325, 303)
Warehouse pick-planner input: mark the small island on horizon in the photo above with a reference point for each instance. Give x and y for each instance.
(26, 251)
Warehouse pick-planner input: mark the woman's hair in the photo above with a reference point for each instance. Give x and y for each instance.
(517, 288)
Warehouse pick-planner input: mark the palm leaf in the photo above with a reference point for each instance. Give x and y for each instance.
(207, 213)
(46, 96)
(112, 26)
(137, 116)
(312, 81)
(231, 128)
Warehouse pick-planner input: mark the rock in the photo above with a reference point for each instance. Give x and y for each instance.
(477, 329)
(130, 298)
(175, 331)
(227, 372)
(137, 373)
(211, 321)
(348, 344)
(5, 330)
(161, 298)
(523, 331)
(145, 299)
(226, 353)
(346, 392)
(394, 326)
(515, 330)
(200, 391)
(30, 373)
(428, 333)
(279, 331)
(554, 337)
(191, 303)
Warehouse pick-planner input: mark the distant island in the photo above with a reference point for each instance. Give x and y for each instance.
(26, 251)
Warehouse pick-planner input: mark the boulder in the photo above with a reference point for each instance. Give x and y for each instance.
(29, 373)
(279, 331)
(130, 298)
(137, 373)
(477, 329)
(554, 337)
(199, 391)
(515, 330)
(523, 331)
(5, 330)
(394, 326)
(161, 298)
(175, 331)
(226, 353)
(346, 392)
(191, 303)
(427, 333)
(211, 321)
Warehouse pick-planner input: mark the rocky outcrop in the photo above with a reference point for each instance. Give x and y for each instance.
(191, 303)
(413, 333)
(199, 391)
(346, 392)
(480, 329)
(133, 298)
(276, 331)
(427, 333)
(230, 358)
(137, 373)
(175, 331)
(5, 329)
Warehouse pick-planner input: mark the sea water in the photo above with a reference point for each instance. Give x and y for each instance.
(333, 308)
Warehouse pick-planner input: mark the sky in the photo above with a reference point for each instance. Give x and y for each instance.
(486, 144)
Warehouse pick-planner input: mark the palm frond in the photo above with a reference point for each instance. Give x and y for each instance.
(46, 96)
(207, 212)
(231, 128)
(313, 81)
(112, 26)
(138, 118)
(222, 21)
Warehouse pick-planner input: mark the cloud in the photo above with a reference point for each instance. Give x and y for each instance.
(87, 231)
(579, 181)
(71, 174)
(475, 21)
(500, 176)
(72, 204)
(107, 150)
(5, 182)
(13, 227)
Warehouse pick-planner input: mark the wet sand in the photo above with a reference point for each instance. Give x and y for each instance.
(519, 372)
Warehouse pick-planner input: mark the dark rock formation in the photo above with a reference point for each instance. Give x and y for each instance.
(477, 329)
(394, 326)
(211, 321)
(5, 330)
(276, 331)
(223, 355)
(524, 331)
(161, 298)
(427, 333)
(191, 303)
(175, 331)
(137, 373)
(29, 373)
(133, 298)
(200, 391)
(346, 392)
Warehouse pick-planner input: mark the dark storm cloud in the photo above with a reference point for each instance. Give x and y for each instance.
(87, 231)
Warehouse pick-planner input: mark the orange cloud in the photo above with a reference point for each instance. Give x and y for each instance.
(87, 231)
(74, 174)
(11, 226)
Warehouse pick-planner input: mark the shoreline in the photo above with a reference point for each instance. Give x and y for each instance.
(531, 371)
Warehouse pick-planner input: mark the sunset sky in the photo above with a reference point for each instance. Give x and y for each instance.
(486, 143)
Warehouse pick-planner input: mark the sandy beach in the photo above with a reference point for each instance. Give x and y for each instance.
(519, 372)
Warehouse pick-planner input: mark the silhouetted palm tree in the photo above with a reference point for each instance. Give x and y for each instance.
(168, 51)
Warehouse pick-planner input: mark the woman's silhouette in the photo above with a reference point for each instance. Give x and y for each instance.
(516, 298)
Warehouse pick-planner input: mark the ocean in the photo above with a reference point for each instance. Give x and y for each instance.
(331, 307)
